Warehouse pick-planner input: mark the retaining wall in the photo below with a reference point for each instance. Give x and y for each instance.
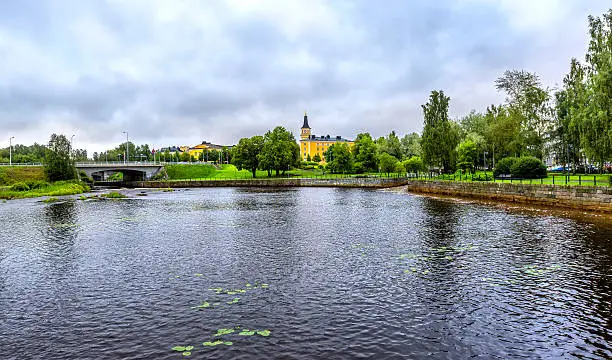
(588, 198)
(300, 182)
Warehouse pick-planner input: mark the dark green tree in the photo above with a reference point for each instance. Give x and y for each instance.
(59, 165)
(316, 158)
(246, 153)
(388, 163)
(365, 152)
(411, 145)
(440, 136)
(339, 158)
(280, 151)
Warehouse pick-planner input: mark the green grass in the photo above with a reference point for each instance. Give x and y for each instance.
(552, 178)
(59, 188)
(13, 174)
(114, 195)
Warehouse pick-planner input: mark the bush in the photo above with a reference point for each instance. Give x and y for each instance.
(37, 184)
(528, 167)
(504, 165)
(359, 168)
(20, 186)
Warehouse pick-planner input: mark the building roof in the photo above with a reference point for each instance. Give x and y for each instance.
(305, 126)
(326, 138)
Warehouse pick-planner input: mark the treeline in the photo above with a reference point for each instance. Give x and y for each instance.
(23, 154)
(571, 125)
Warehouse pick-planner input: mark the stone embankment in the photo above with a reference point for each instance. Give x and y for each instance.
(351, 182)
(586, 198)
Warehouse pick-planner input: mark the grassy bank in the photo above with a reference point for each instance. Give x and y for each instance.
(42, 188)
(10, 175)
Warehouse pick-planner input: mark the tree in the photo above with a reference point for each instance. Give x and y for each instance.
(414, 165)
(316, 158)
(391, 145)
(246, 153)
(411, 145)
(502, 133)
(527, 100)
(474, 122)
(388, 163)
(59, 165)
(339, 158)
(280, 151)
(365, 151)
(468, 155)
(596, 114)
(440, 136)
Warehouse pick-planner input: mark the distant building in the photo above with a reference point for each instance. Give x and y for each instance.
(313, 145)
(197, 150)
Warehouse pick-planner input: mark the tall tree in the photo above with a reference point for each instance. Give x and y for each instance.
(246, 153)
(365, 152)
(528, 101)
(280, 151)
(596, 119)
(392, 146)
(411, 145)
(503, 132)
(440, 136)
(59, 165)
(339, 158)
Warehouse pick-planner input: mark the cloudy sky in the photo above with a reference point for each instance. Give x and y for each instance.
(176, 72)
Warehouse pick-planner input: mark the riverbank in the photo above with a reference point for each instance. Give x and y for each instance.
(591, 198)
(41, 188)
(350, 182)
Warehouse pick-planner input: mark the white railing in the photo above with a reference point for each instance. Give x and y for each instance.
(21, 164)
(119, 163)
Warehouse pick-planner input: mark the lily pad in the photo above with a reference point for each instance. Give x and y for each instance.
(248, 285)
(179, 348)
(212, 343)
(247, 332)
(228, 343)
(203, 305)
(264, 286)
(197, 274)
(234, 301)
(263, 332)
(186, 353)
(221, 332)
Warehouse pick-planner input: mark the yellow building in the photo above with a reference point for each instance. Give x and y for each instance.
(196, 151)
(313, 145)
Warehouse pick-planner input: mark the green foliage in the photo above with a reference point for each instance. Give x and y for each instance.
(114, 195)
(391, 145)
(339, 158)
(440, 136)
(280, 151)
(528, 167)
(468, 155)
(414, 165)
(387, 163)
(316, 158)
(365, 152)
(39, 188)
(58, 162)
(20, 186)
(358, 168)
(504, 166)
(411, 145)
(247, 153)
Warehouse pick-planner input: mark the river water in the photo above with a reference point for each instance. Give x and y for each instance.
(330, 273)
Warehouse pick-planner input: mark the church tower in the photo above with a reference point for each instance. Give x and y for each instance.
(305, 134)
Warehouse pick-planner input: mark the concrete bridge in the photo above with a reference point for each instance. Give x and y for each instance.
(132, 171)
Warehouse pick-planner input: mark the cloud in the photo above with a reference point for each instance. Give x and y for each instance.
(179, 72)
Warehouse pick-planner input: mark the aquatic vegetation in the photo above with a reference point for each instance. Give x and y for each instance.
(448, 257)
(247, 332)
(114, 195)
(217, 342)
(535, 271)
(221, 332)
(50, 200)
(203, 305)
(185, 350)
(264, 333)
(197, 274)
(233, 301)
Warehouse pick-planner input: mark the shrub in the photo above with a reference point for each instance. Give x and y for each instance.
(359, 168)
(20, 186)
(528, 167)
(504, 165)
(37, 184)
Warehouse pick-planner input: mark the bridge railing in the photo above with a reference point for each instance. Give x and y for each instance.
(21, 164)
(121, 163)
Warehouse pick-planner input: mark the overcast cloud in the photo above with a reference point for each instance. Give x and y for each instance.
(176, 72)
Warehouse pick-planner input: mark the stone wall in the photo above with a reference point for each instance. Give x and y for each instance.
(354, 182)
(589, 198)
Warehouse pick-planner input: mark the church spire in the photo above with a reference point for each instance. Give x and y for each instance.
(305, 126)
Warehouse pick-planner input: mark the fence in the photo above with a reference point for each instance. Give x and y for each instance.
(561, 179)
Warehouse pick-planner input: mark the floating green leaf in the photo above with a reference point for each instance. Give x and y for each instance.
(221, 332)
(189, 348)
(228, 343)
(205, 304)
(264, 286)
(234, 301)
(263, 332)
(186, 353)
(212, 343)
(425, 272)
(247, 332)
(197, 274)
(248, 285)
(179, 348)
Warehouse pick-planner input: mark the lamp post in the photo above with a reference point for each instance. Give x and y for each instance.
(72, 146)
(127, 147)
(11, 150)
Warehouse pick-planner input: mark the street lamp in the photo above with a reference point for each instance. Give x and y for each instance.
(127, 147)
(11, 150)
(72, 146)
